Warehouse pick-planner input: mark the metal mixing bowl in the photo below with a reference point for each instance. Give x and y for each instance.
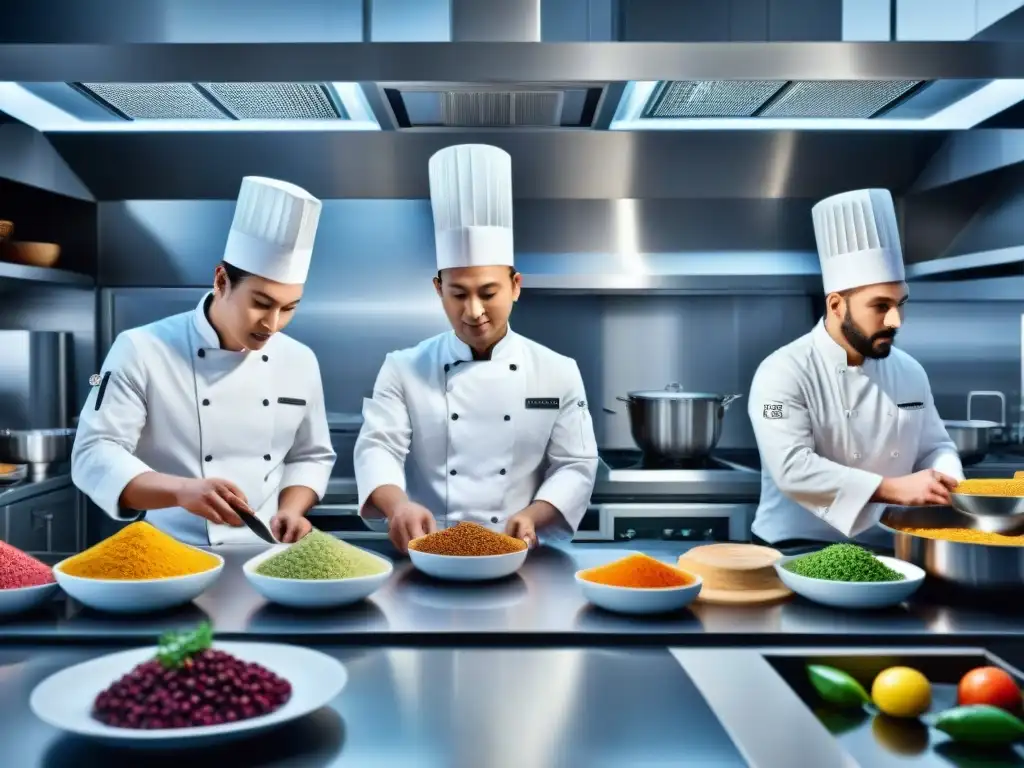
(993, 514)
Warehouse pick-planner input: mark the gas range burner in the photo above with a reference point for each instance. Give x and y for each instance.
(728, 474)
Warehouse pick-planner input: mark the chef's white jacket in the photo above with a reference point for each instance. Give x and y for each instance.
(478, 440)
(170, 400)
(828, 432)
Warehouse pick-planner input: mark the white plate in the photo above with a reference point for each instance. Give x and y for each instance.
(137, 596)
(854, 594)
(23, 599)
(64, 699)
(313, 593)
(468, 568)
(637, 601)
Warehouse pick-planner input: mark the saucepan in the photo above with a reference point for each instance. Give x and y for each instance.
(38, 448)
(673, 424)
(973, 437)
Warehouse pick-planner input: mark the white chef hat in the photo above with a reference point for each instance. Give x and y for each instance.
(858, 240)
(273, 230)
(471, 195)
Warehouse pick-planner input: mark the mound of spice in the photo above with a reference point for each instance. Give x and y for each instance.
(318, 555)
(843, 562)
(467, 540)
(18, 570)
(139, 551)
(967, 536)
(190, 684)
(638, 571)
(997, 486)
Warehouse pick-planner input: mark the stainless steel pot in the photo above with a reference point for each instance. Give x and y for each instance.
(960, 564)
(38, 448)
(972, 438)
(672, 424)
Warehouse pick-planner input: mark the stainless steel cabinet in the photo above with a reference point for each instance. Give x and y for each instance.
(47, 524)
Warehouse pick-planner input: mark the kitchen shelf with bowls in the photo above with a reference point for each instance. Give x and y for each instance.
(26, 272)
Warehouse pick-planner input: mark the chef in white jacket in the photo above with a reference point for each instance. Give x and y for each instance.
(477, 424)
(206, 412)
(845, 422)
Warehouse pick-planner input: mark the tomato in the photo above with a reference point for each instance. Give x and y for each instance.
(989, 685)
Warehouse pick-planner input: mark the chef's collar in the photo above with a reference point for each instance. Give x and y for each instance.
(208, 337)
(831, 349)
(457, 351)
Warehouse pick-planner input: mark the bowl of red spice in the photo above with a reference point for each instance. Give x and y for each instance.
(468, 552)
(639, 584)
(25, 582)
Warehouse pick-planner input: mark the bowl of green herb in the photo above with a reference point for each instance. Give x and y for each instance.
(317, 571)
(848, 576)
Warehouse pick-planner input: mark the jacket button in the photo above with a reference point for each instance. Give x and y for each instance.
(513, 367)
(205, 401)
(494, 519)
(502, 472)
(266, 457)
(455, 417)
(266, 402)
(856, 455)
(209, 458)
(507, 417)
(266, 359)
(453, 472)
(895, 454)
(447, 367)
(202, 353)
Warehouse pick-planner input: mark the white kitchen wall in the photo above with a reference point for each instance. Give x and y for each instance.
(933, 20)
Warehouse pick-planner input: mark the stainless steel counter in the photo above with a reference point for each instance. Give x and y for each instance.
(540, 605)
(430, 707)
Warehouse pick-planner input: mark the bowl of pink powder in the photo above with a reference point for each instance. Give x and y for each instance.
(25, 583)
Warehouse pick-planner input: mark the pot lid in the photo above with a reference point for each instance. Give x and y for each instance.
(674, 392)
(973, 424)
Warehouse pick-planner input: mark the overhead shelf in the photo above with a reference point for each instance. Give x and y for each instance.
(43, 275)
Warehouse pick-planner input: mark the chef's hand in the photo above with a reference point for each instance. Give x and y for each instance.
(213, 499)
(920, 489)
(289, 527)
(409, 521)
(521, 526)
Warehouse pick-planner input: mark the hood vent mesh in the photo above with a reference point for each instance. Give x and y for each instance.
(777, 99)
(501, 109)
(217, 101)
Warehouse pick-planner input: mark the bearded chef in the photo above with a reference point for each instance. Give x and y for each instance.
(845, 422)
(212, 411)
(483, 424)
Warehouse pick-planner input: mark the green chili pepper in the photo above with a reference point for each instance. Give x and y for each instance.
(837, 687)
(980, 724)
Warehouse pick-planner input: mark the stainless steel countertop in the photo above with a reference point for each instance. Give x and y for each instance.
(430, 707)
(541, 604)
(26, 489)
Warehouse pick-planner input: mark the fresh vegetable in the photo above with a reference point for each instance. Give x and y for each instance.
(989, 685)
(980, 724)
(175, 648)
(902, 692)
(837, 687)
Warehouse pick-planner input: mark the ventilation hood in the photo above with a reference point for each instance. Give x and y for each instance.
(494, 70)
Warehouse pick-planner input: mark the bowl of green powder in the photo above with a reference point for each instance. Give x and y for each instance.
(318, 571)
(848, 576)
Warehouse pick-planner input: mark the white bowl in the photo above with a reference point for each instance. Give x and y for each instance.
(64, 699)
(138, 595)
(854, 594)
(23, 599)
(638, 600)
(468, 567)
(313, 593)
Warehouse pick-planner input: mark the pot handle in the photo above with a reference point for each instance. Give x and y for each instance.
(623, 399)
(609, 410)
(729, 399)
(675, 386)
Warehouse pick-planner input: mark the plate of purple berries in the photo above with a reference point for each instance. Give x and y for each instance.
(188, 691)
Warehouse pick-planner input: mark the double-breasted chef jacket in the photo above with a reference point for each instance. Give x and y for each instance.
(171, 400)
(828, 432)
(480, 440)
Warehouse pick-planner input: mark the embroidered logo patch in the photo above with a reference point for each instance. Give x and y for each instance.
(543, 403)
(774, 411)
(95, 379)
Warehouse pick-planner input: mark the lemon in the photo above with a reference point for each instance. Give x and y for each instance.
(902, 692)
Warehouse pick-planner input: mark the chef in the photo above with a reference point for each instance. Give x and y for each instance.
(845, 422)
(212, 411)
(477, 424)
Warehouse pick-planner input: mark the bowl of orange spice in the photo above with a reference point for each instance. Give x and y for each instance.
(639, 584)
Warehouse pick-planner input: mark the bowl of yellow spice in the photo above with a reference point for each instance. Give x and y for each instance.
(138, 570)
(317, 571)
